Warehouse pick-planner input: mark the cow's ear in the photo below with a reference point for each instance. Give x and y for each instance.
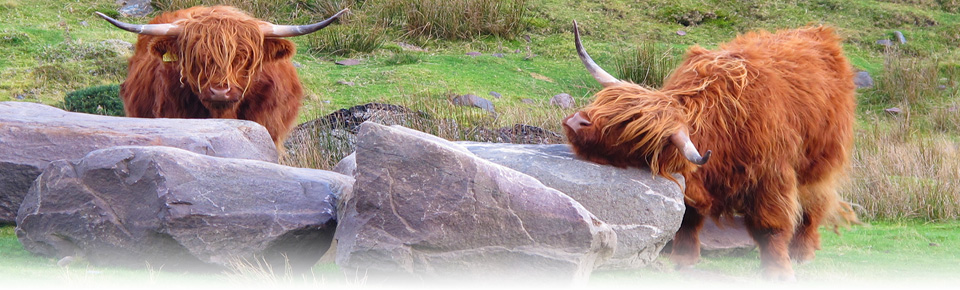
(164, 48)
(275, 49)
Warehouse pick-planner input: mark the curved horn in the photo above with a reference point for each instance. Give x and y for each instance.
(598, 73)
(273, 30)
(682, 140)
(148, 29)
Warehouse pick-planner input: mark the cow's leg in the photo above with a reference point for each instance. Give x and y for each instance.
(771, 220)
(686, 243)
(818, 201)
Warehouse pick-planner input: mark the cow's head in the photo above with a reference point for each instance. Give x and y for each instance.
(219, 52)
(629, 125)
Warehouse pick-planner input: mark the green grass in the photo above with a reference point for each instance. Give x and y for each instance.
(902, 167)
(895, 252)
(610, 28)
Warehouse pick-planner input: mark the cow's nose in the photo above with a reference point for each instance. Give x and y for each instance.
(577, 122)
(220, 93)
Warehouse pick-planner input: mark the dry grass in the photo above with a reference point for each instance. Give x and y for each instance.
(908, 80)
(906, 165)
(897, 178)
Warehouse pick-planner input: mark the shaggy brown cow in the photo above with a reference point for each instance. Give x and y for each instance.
(777, 111)
(215, 62)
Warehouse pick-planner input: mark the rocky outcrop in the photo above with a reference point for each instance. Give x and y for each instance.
(644, 210)
(429, 209)
(32, 135)
(133, 206)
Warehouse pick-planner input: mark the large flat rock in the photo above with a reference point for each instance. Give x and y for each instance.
(644, 210)
(426, 208)
(133, 206)
(32, 135)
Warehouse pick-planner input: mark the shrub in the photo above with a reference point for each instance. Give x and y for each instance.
(352, 36)
(464, 19)
(402, 59)
(101, 100)
(647, 65)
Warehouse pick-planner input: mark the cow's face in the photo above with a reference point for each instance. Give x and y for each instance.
(218, 52)
(629, 125)
(221, 59)
(626, 125)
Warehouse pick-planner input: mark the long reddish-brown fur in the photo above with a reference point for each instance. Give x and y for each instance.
(776, 109)
(219, 47)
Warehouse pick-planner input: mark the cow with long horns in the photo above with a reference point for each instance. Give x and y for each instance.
(215, 62)
(776, 111)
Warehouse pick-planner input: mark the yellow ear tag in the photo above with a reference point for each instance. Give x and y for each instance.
(169, 57)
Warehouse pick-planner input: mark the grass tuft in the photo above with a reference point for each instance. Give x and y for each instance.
(464, 19)
(649, 64)
(356, 34)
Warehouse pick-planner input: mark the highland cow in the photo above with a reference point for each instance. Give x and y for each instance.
(215, 62)
(776, 111)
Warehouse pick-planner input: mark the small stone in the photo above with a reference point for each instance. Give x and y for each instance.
(500, 55)
(562, 100)
(475, 101)
(517, 51)
(885, 42)
(349, 62)
(84, 23)
(681, 32)
(346, 83)
(934, 245)
(297, 65)
(496, 95)
(526, 37)
(19, 97)
(894, 110)
(527, 101)
(136, 8)
(863, 80)
(474, 53)
(900, 37)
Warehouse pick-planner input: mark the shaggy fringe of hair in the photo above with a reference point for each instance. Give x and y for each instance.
(226, 60)
(733, 75)
(641, 117)
(646, 118)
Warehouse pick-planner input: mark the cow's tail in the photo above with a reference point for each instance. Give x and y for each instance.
(844, 216)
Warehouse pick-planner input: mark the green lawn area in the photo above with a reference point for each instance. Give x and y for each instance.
(885, 253)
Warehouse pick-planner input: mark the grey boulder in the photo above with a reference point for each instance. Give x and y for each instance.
(730, 237)
(426, 208)
(644, 210)
(136, 206)
(32, 135)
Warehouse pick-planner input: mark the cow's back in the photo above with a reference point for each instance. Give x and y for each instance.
(813, 81)
(769, 100)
